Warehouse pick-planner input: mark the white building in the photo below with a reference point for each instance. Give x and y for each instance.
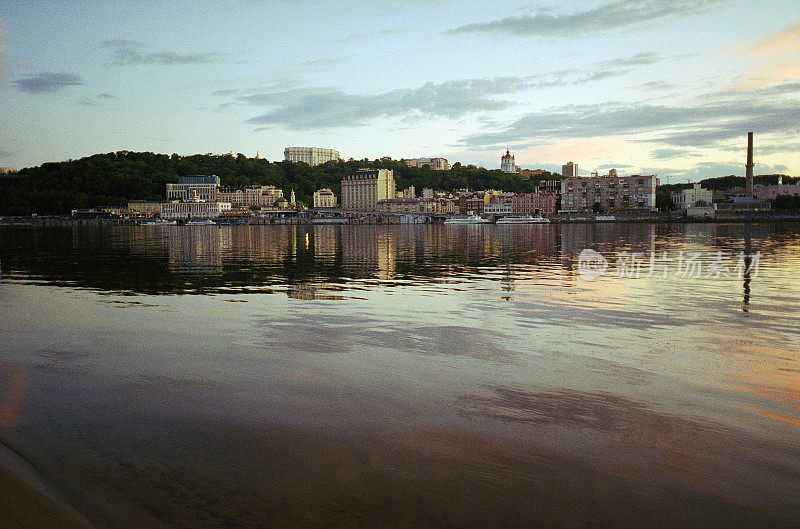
(362, 190)
(507, 163)
(193, 210)
(436, 164)
(690, 198)
(194, 188)
(324, 198)
(310, 155)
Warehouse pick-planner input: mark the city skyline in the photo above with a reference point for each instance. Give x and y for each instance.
(624, 84)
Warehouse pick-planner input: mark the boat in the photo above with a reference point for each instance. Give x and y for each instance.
(204, 222)
(605, 218)
(472, 219)
(522, 220)
(159, 222)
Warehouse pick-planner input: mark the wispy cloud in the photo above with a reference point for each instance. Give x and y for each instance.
(131, 52)
(45, 83)
(98, 99)
(297, 107)
(602, 18)
(668, 154)
(787, 40)
(5, 154)
(371, 34)
(700, 125)
(778, 59)
(306, 108)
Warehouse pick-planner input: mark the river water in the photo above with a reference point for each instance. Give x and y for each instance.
(407, 376)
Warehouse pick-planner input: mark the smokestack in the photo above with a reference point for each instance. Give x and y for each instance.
(749, 165)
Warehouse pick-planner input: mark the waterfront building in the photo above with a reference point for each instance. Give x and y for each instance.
(543, 204)
(250, 196)
(147, 208)
(473, 204)
(507, 163)
(362, 190)
(194, 188)
(324, 198)
(569, 170)
(771, 192)
(409, 192)
(690, 198)
(498, 208)
(608, 193)
(427, 193)
(310, 155)
(193, 210)
(436, 164)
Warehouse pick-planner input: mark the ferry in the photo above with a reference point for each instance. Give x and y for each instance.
(159, 222)
(522, 220)
(205, 222)
(472, 219)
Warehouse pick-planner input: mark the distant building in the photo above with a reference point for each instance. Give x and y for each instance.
(427, 193)
(436, 164)
(194, 188)
(543, 204)
(310, 155)
(771, 192)
(324, 198)
(569, 170)
(147, 208)
(611, 193)
(694, 197)
(507, 163)
(409, 192)
(193, 210)
(362, 190)
(498, 208)
(250, 196)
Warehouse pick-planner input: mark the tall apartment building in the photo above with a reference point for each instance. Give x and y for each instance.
(194, 188)
(362, 190)
(507, 163)
(569, 170)
(324, 198)
(436, 164)
(310, 155)
(612, 193)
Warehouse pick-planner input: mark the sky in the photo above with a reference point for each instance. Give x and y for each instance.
(666, 87)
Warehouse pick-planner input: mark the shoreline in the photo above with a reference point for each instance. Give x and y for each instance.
(27, 502)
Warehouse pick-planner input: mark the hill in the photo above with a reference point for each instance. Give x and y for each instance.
(113, 179)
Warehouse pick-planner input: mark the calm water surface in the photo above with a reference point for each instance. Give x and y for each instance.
(406, 376)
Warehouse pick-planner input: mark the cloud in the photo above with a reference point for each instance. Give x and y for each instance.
(5, 154)
(602, 18)
(98, 99)
(657, 85)
(308, 108)
(667, 154)
(787, 40)
(300, 108)
(44, 83)
(701, 125)
(131, 52)
(371, 34)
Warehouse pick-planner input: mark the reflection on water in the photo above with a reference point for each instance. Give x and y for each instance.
(405, 375)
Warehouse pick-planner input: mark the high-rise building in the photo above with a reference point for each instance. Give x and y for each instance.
(310, 155)
(507, 163)
(362, 190)
(569, 170)
(608, 193)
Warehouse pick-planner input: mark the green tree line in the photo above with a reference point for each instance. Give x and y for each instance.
(115, 178)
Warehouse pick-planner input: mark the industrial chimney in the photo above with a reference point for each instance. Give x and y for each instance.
(749, 166)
